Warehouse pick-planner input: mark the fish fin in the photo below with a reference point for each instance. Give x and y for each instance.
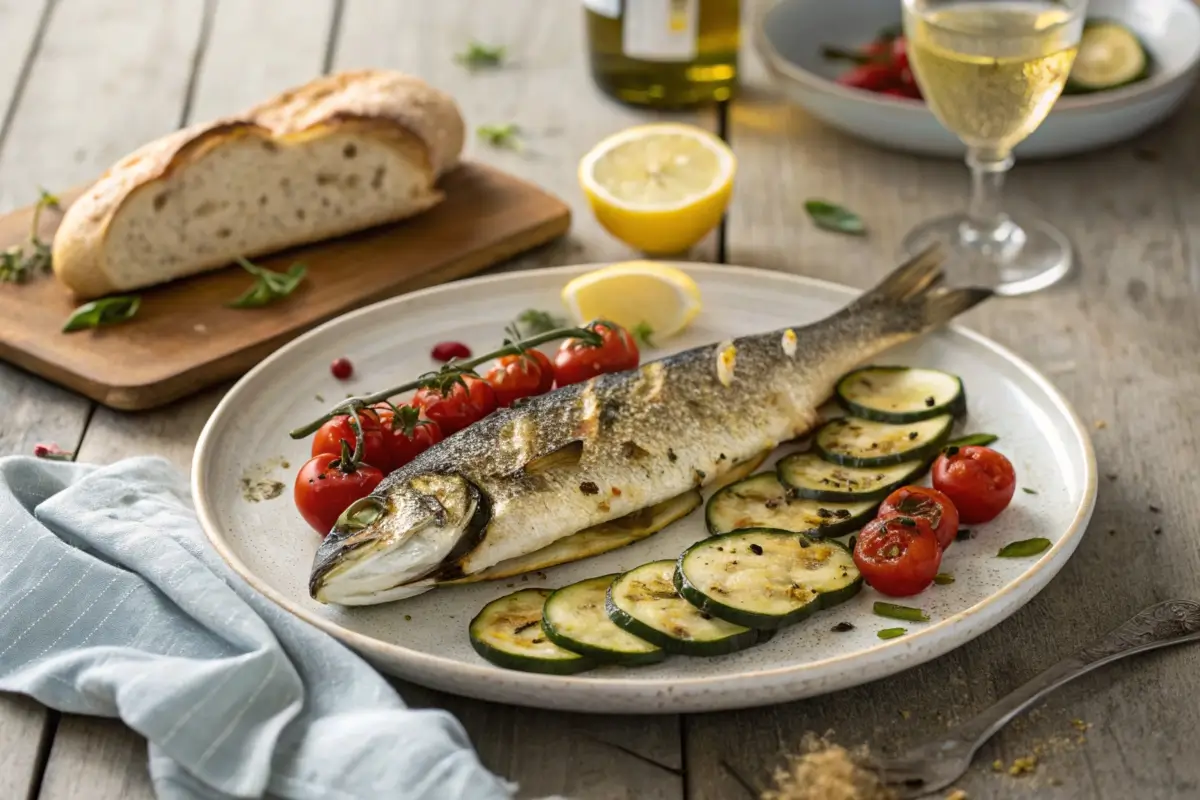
(913, 293)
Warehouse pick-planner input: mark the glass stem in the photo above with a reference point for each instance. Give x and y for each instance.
(986, 212)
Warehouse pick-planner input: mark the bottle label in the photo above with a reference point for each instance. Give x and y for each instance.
(660, 30)
(605, 8)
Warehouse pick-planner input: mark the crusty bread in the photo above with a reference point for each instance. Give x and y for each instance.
(339, 154)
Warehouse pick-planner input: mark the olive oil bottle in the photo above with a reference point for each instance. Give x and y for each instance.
(664, 53)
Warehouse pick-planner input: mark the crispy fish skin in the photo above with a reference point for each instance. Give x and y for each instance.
(526, 477)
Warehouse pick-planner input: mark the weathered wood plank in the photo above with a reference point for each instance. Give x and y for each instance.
(96, 758)
(25, 735)
(1119, 341)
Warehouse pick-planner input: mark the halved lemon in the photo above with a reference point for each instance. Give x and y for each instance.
(660, 187)
(645, 297)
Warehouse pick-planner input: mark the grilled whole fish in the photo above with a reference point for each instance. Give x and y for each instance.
(526, 477)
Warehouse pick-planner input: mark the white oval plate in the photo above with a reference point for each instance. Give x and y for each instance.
(424, 639)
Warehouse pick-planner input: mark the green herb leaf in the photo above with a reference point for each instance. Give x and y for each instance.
(500, 135)
(532, 322)
(19, 262)
(479, 55)
(907, 613)
(943, 578)
(891, 633)
(107, 311)
(833, 217)
(1027, 490)
(269, 286)
(642, 333)
(1025, 547)
(973, 440)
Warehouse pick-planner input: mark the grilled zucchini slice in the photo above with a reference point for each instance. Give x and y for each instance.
(508, 632)
(901, 394)
(1110, 56)
(644, 602)
(764, 578)
(761, 501)
(856, 442)
(575, 618)
(809, 476)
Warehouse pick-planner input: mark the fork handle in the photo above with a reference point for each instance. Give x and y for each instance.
(1166, 623)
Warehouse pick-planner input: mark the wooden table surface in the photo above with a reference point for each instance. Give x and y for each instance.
(84, 81)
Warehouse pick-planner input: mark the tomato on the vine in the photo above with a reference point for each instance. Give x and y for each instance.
(330, 436)
(921, 501)
(898, 555)
(979, 481)
(407, 436)
(323, 490)
(463, 403)
(577, 361)
(516, 377)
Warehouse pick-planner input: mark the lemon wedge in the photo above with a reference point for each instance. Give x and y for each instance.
(657, 300)
(660, 187)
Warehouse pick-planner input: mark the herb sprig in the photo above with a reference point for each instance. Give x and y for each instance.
(269, 285)
(833, 217)
(504, 135)
(106, 311)
(531, 322)
(642, 333)
(19, 262)
(479, 55)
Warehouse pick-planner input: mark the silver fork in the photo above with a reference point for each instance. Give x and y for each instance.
(936, 765)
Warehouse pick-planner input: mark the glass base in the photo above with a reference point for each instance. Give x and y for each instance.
(1019, 257)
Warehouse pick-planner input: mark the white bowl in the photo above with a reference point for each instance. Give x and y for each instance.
(789, 36)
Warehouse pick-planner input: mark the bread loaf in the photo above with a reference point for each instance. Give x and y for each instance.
(339, 154)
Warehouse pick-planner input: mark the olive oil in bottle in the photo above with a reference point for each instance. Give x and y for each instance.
(664, 53)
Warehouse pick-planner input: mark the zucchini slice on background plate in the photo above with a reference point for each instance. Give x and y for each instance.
(901, 394)
(855, 442)
(1110, 56)
(809, 476)
(508, 632)
(644, 602)
(761, 501)
(766, 578)
(575, 618)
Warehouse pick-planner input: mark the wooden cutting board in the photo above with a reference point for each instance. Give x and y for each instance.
(185, 338)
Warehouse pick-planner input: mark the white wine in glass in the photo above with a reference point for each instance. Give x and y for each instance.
(990, 71)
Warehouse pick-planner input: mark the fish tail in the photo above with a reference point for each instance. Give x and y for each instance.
(913, 299)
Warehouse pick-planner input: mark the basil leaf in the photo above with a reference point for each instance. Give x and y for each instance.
(107, 311)
(269, 286)
(891, 633)
(973, 440)
(833, 217)
(1025, 547)
(907, 613)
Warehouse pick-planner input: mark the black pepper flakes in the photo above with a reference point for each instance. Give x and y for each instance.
(1112, 476)
(1157, 530)
(587, 487)
(721, 457)
(408, 617)
(773, 503)
(842, 627)
(756, 549)
(912, 435)
(1154, 509)
(842, 513)
(671, 456)
(930, 402)
(963, 534)
(824, 513)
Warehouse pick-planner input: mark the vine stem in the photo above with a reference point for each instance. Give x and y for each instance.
(453, 370)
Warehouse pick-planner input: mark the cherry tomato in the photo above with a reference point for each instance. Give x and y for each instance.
(920, 501)
(330, 436)
(547, 367)
(341, 368)
(460, 406)
(515, 377)
(576, 361)
(873, 77)
(323, 491)
(899, 54)
(898, 555)
(409, 436)
(978, 480)
(444, 351)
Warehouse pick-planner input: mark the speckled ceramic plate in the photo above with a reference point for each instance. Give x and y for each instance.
(424, 639)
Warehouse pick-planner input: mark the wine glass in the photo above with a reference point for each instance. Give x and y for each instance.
(990, 71)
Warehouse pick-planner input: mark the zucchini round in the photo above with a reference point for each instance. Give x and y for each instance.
(901, 394)
(855, 442)
(1110, 56)
(644, 602)
(761, 501)
(508, 632)
(809, 476)
(574, 617)
(766, 578)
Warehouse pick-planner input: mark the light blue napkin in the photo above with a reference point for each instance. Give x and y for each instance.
(112, 604)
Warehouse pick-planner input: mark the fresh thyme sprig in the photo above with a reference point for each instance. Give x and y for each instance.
(16, 265)
(449, 374)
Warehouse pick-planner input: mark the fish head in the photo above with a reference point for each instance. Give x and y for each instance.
(383, 545)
